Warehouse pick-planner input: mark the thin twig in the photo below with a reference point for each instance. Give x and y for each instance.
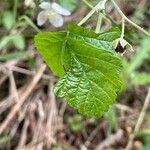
(22, 97)
(29, 72)
(123, 107)
(52, 118)
(21, 116)
(110, 140)
(92, 135)
(13, 87)
(23, 137)
(139, 121)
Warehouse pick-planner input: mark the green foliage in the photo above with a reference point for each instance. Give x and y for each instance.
(75, 123)
(3, 140)
(15, 39)
(5, 40)
(103, 40)
(111, 116)
(50, 47)
(8, 19)
(140, 78)
(91, 81)
(14, 56)
(90, 71)
(18, 41)
(29, 22)
(142, 54)
(69, 4)
(145, 135)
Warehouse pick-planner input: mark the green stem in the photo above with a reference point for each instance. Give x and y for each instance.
(100, 6)
(15, 8)
(122, 29)
(128, 20)
(86, 17)
(107, 18)
(30, 22)
(99, 23)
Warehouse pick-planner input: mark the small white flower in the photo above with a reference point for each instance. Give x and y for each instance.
(52, 12)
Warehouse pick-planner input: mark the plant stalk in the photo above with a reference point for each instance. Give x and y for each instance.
(128, 20)
(100, 6)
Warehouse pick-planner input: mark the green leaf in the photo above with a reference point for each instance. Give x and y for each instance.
(93, 79)
(18, 41)
(50, 47)
(5, 41)
(77, 30)
(69, 4)
(91, 75)
(101, 40)
(14, 56)
(111, 35)
(144, 134)
(8, 19)
(140, 78)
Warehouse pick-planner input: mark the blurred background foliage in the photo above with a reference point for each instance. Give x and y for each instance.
(17, 28)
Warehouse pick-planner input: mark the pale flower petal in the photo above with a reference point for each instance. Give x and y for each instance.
(56, 20)
(45, 5)
(42, 17)
(59, 9)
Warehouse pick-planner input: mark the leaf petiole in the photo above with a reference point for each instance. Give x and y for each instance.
(122, 29)
(99, 22)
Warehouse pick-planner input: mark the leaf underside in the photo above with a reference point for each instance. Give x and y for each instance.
(90, 70)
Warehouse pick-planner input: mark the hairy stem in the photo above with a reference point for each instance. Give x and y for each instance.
(128, 20)
(30, 22)
(122, 29)
(100, 6)
(99, 23)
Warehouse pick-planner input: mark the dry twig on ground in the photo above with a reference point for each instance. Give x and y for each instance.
(22, 98)
(139, 121)
(112, 139)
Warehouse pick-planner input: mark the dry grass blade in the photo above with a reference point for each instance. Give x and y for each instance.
(52, 123)
(13, 88)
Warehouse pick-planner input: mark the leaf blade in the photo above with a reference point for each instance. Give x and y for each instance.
(86, 87)
(91, 74)
(49, 45)
(101, 40)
